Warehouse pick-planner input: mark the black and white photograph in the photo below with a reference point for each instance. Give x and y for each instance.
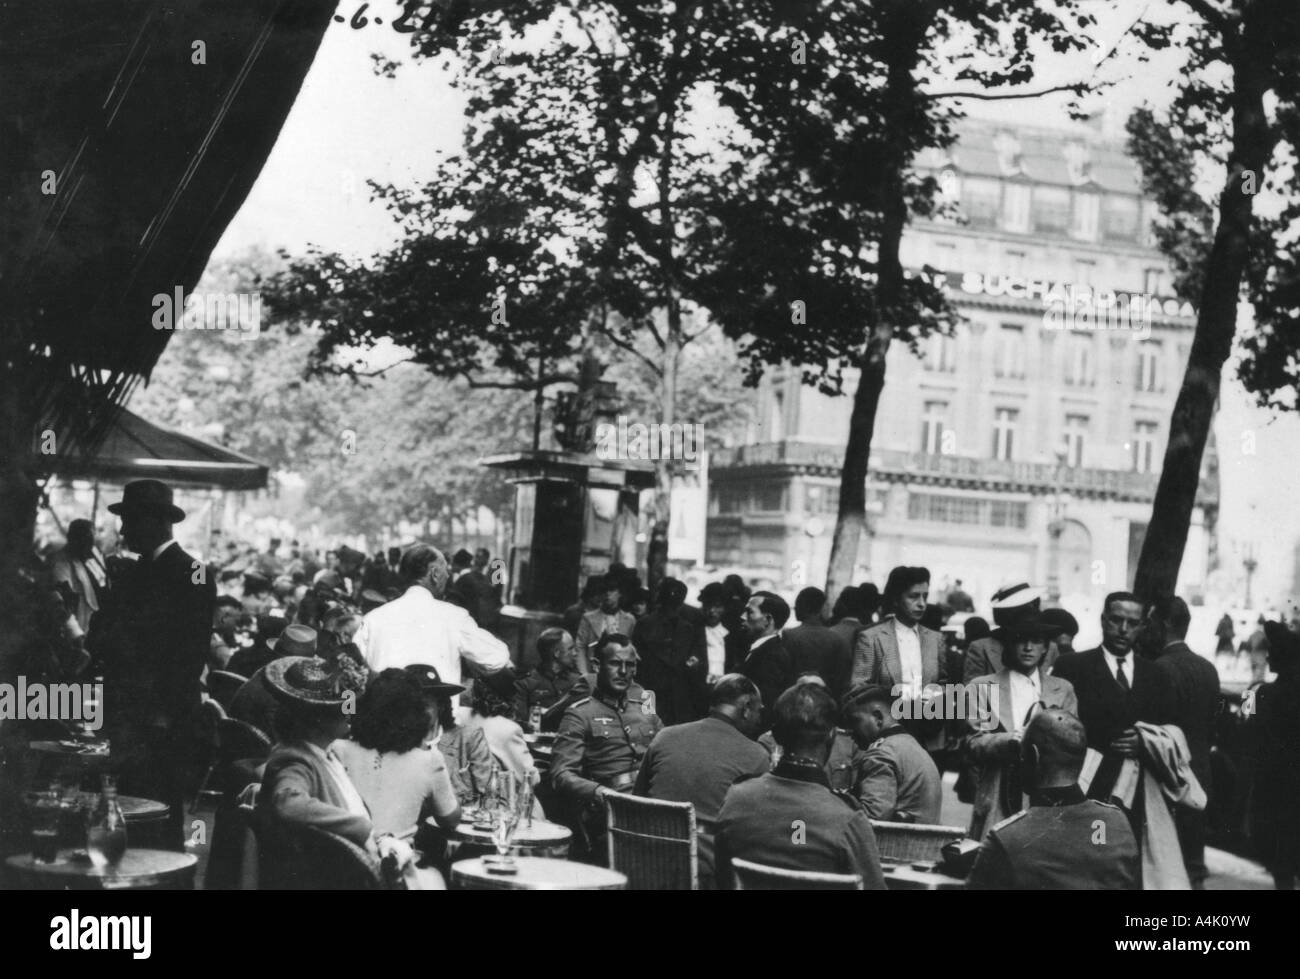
(651, 445)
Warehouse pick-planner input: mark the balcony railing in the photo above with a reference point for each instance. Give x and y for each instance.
(1012, 474)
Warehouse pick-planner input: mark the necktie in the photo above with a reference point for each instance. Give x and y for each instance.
(1120, 678)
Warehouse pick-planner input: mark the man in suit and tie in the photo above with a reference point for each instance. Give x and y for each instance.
(815, 647)
(768, 661)
(153, 632)
(1115, 688)
(1187, 696)
(999, 708)
(901, 654)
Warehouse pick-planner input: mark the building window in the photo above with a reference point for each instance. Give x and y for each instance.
(1004, 433)
(1078, 360)
(1007, 513)
(1148, 373)
(1119, 218)
(981, 201)
(1087, 215)
(1009, 358)
(940, 353)
(934, 508)
(932, 427)
(769, 498)
(1144, 447)
(1076, 429)
(1015, 207)
(822, 499)
(1151, 281)
(732, 500)
(1051, 209)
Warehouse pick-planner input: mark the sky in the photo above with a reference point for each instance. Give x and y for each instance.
(349, 125)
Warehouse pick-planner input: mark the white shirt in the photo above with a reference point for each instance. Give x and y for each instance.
(1026, 691)
(356, 804)
(909, 653)
(760, 640)
(716, 637)
(1112, 663)
(163, 546)
(417, 628)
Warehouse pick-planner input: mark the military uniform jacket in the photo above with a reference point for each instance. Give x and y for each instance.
(898, 781)
(789, 818)
(1069, 843)
(601, 742)
(538, 688)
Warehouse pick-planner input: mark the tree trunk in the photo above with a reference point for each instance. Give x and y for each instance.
(852, 516)
(906, 27)
(661, 508)
(1216, 324)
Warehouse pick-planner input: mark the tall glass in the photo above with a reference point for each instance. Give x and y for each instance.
(44, 810)
(106, 827)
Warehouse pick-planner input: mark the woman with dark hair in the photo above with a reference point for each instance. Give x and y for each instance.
(469, 759)
(494, 716)
(904, 655)
(400, 778)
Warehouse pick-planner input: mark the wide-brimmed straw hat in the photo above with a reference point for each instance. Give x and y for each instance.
(309, 681)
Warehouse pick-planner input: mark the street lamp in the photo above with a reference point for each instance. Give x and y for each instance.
(1054, 529)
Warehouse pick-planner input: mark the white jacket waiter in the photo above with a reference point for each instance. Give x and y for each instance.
(418, 628)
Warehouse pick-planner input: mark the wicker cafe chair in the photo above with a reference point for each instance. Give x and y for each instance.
(652, 842)
(222, 685)
(305, 858)
(908, 842)
(752, 876)
(238, 745)
(210, 716)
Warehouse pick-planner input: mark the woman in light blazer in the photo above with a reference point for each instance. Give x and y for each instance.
(999, 706)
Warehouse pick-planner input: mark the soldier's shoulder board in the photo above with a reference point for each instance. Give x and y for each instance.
(1010, 819)
(579, 703)
(1108, 805)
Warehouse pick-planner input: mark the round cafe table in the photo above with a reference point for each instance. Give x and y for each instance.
(536, 874)
(542, 839)
(139, 869)
(135, 809)
(87, 756)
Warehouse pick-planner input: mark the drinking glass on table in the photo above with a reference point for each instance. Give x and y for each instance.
(503, 833)
(44, 810)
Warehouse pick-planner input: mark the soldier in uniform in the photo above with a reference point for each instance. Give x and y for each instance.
(844, 767)
(789, 817)
(602, 741)
(555, 675)
(1064, 841)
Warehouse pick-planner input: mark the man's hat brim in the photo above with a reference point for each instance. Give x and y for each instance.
(169, 510)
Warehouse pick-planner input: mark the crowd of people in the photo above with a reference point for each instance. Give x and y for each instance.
(389, 698)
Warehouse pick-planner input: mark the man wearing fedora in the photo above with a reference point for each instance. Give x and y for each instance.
(999, 708)
(253, 702)
(153, 635)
